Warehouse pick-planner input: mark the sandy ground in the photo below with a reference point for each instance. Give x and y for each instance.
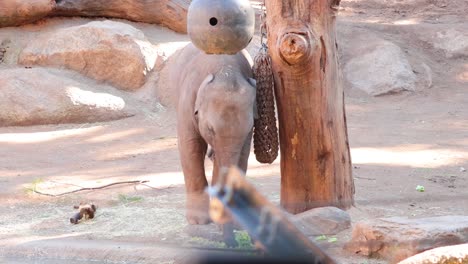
(397, 142)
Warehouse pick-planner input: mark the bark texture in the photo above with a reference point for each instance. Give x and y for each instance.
(169, 13)
(315, 158)
(19, 12)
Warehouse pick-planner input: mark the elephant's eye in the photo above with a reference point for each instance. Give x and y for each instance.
(195, 113)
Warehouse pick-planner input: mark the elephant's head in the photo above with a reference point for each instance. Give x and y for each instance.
(224, 111)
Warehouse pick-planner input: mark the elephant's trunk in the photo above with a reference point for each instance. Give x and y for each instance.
(227, 158)
(224, 159)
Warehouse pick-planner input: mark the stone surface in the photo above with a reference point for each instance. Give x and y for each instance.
(398, 238)
(103, 50)
(444, 255)
(322, 221)
(18, 12)
(448, 40)
(36, 96)
(380, 68)
(453, 41)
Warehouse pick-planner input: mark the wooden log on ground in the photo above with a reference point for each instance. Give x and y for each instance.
(315, 158)
(19, 12)
(170, 13)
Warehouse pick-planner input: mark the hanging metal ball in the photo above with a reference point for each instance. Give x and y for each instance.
(221, 26)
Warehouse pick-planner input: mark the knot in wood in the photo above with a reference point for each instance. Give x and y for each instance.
(295, 47)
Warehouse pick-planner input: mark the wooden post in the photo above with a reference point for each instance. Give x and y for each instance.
(315, 159)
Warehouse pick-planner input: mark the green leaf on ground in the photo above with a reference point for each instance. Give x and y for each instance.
(33, 186)
(243, 240)
(321, 238)
(200, 241)
(129, 199)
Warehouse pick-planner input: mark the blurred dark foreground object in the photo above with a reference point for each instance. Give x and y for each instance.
(86, 211)
(264, 222)
(217, 259)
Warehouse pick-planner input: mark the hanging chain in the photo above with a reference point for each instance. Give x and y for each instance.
(263, 28)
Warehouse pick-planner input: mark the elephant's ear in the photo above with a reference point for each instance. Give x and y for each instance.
(208, 79)
(253, 82)
(255, 110)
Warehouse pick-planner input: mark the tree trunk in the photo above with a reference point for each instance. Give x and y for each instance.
(315, 159)
(19, 12)
(170, 13)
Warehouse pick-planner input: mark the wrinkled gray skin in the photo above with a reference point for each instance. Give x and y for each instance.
(216, 108)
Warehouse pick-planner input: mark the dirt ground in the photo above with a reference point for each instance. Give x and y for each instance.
(397, 142)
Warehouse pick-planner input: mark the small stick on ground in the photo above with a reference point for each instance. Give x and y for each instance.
(90, 188)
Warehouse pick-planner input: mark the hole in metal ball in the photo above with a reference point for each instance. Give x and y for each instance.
(213, 21)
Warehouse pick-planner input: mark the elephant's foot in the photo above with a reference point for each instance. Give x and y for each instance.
(198, 209)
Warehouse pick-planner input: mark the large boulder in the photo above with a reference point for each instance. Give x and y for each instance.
(448, 40)
(398, 238)
(37, 96)
(18, 12)
(103, 50)
(453, 41)
(376, 66)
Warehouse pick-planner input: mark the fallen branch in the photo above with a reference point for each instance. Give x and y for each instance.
(365, 178)
(89, 188)
(15, 12)
(169, 13)
(156, 188)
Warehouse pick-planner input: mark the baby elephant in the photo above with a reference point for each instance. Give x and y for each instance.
(216, 108)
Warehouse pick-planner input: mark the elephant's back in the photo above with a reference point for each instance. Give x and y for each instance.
(241, 62)
(194, 65)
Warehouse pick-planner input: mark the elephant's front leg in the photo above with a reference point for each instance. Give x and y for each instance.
(192, 149)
